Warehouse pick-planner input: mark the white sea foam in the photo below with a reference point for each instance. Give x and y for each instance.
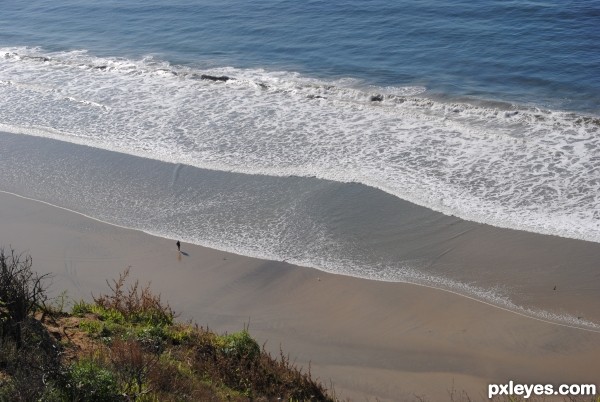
(509, 166)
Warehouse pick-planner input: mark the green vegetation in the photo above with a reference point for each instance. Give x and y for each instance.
(91, 381)
(127, 346)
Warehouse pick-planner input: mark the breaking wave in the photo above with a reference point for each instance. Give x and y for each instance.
(510, 166)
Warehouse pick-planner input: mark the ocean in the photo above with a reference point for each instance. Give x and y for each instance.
(325, 134)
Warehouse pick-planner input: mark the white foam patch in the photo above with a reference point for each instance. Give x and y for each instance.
(509, 166)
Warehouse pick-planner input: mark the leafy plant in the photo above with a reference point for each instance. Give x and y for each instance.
(81, 308)
(108, 314)
(89, 381)
(151, 337)
(92, 327)
(239, 345)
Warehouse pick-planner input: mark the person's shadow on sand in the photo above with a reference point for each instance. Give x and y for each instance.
(180, 253)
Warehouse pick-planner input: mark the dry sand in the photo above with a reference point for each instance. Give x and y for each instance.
(370, 339)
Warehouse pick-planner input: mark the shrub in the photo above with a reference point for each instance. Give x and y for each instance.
(137, 305)
(109, 315)
(22, 291)
(89, 381)
(132, 366)
(152, 338)
(34, 368)
(239, 345)
(174, 377)
(92, 327)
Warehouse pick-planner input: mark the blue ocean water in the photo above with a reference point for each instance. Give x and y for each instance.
(545, 53)
(487, 111)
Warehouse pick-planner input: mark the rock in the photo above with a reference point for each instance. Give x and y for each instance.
(223, 78)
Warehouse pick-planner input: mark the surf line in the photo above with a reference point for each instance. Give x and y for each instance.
(513, 311)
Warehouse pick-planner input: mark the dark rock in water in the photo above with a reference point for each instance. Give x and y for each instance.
(263, 86)
(316, 97)
(377, 98)
(223, 78)
(37, 58)
(102, 68)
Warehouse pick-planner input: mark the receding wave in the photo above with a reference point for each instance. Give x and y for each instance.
(510, 166)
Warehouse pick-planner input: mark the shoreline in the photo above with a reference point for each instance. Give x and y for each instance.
(350, 229)
(372, 339)
(519, 311)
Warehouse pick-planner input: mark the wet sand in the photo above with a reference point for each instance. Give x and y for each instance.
(370, 339)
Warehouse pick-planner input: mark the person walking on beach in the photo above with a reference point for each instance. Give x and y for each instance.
(178, 246)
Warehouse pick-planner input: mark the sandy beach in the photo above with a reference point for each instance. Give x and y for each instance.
(368, 339)
(402, 197)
